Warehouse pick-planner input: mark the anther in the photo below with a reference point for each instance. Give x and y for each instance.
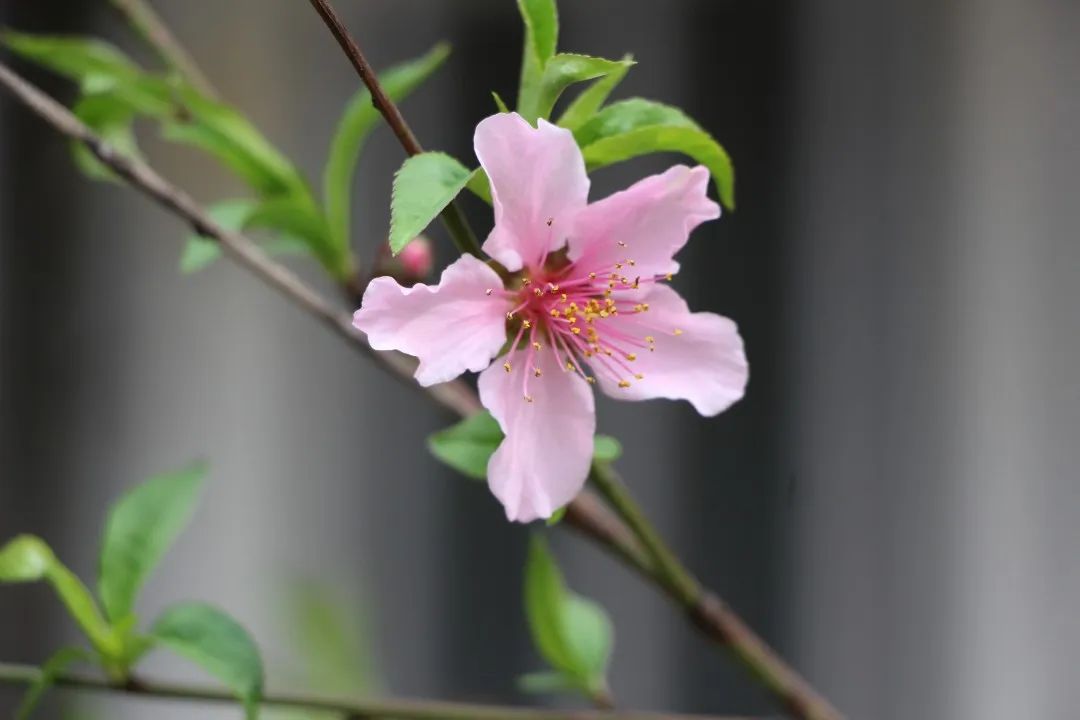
(569, 365)
(536, 372)
(590, 380)
(536, 346)
(622, 244)
(592, 276)
(549, 221)
(506, 366)
(624, 384)
(527, 324)
(576, 330)
(677, 331)
(631, 356)
(639, 376)
(488, 291)
(528, 398)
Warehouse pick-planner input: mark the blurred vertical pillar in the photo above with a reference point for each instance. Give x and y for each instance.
(38, 392)
(934, 283)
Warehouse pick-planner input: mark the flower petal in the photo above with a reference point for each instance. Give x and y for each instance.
(648, 222)
(697, 357)
(544, 460)
(451, 327)
(537, 174)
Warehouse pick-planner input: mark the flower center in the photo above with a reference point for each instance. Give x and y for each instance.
(572, 309)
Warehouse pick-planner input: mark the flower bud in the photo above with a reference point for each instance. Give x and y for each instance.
(410, 266)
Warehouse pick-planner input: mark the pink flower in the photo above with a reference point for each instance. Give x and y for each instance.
(580, 297)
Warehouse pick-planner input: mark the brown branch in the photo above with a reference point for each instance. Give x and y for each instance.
(586, 513)
(406, 709)
(452, 217)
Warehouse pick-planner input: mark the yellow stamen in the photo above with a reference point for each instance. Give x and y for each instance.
(506, 367)
(677, 331)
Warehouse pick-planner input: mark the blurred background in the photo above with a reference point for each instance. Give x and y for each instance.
(895, 505)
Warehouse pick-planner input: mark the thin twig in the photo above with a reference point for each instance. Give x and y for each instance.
(452, 217)
(711, 614)
(142, 17)
(586, 513)
(406, 709)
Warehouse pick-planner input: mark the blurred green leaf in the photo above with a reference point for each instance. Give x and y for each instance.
(424, 185)
(140, 529)
(224, 133)
(592, 98)
(500, 104)
(606, 448)
(636, 127)
(78, 58)
(546, 683)
(541, 18)
(468, 445)
(334, 639)
(29, 559)
(357, 122)
(573, 634)
(297, 217)
(562, 71)
(199, 251)
(50, 670)
(112, 119)
(216, 643)
(556, 517)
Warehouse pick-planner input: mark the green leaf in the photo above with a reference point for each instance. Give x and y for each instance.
(74, 57)
(546, 683)
(279, 215)
(200, 251)
(556, 517)
(424, 185)
(636, 127)
(469, 445)
(296, 216)
(606, 448)
(573, 634)
(53, 668)
(562, 71)
(28, 559)
(479, 185)
(112, 119)
(333, 639)
(218, 644)
(224, 133)
(591, 99)
(541, 18)
(357, 122)
(140, 529)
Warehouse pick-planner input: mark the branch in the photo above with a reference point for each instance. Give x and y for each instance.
(452, 217)
(146, 22)
(405, 709)
(711, 614)
(455, 396)
(586, 513)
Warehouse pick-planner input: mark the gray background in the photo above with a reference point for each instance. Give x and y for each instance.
(895, 504)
